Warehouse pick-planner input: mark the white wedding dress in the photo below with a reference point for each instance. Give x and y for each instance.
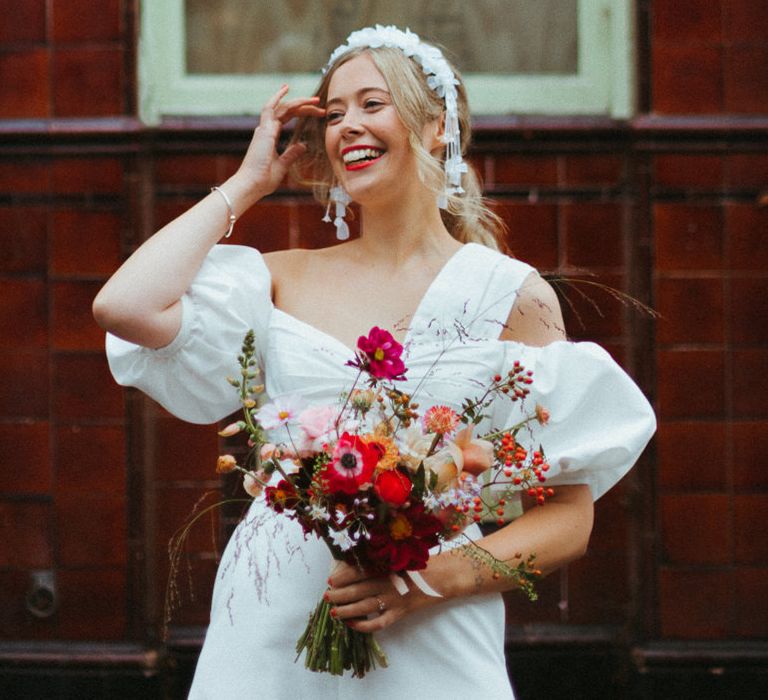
(269, 578)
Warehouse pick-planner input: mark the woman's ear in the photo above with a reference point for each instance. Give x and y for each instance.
(433, 134)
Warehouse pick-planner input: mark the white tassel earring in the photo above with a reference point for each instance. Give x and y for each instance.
(341, 199)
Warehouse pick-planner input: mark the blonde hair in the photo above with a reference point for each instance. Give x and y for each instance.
(468, 217)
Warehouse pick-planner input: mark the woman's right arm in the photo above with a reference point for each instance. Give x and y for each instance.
(141, 301)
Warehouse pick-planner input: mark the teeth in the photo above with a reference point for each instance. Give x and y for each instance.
(361, 154)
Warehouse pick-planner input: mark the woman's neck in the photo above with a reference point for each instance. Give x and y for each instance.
(413, 226)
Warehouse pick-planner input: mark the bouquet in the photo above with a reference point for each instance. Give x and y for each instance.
(381, 483)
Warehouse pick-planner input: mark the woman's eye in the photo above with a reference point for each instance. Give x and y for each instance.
(370, 104)
(333, 116)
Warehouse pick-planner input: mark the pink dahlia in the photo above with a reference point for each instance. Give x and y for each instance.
(352, 464)
(380, 355)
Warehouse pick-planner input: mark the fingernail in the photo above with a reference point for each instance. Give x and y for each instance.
(326, 596)
(330, 582)
(333, 612)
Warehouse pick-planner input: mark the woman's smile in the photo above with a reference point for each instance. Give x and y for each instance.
(361, 156)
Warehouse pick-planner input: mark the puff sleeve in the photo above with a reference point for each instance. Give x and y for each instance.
(230, 295)
(600, 421)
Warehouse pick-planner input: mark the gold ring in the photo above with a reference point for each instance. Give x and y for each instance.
(380, 605)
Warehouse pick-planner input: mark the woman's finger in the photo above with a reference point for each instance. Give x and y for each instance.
(360, 608)
(273, 101)
(343, 574)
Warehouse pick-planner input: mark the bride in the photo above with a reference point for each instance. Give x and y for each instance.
(387, 130)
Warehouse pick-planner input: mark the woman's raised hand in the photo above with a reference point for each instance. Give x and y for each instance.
(263, 169)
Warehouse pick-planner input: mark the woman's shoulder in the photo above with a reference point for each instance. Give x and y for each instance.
(535, 318)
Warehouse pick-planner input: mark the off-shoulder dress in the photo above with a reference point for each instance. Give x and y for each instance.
(269, 577)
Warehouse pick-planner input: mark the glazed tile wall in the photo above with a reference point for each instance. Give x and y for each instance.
(710, 288)
(709, 57)
(95, 480)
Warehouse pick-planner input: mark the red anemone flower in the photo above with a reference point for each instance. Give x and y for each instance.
(352, 464)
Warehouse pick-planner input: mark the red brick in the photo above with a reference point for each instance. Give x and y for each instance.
(533, 236)
(24, 176)
(26, 457)
(692, 455)
(22, 21)
(591, 310)
(178, 506)
(85, 243)
(25, 534)
(686, 79)
(24, 385)
(750, 445)
(266, 226)
(745, 226)
(593, 234)
(691, 384)
(199, 444)
(688, 171)
(610, 534)
(598, 590)
(594, 169)
(92, 604)
(91, 530)
(188, 169)
(23, 315)
(24, 80)
(750, 383)
(686, 21)
(77, 20)
(524, 170)
(684, 541)
(746, 79)
(750, 586)
(691, 311)
(745, 21)
(747, 170)
(688, 237)
(84, 175)
(73, 327)
(167, 210)
(88, 82)
(23, 239)
(694, 603)
(90, 460)
(84, 389)
(750, 516)
(747, 309)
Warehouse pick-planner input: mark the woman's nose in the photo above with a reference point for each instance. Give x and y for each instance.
(351, 123)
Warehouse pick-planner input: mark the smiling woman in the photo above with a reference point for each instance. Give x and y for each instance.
(387, 130)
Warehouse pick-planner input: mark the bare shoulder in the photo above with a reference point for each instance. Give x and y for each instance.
(536, 317)
(292, 268)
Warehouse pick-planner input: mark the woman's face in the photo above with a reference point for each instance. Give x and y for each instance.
(365, 140)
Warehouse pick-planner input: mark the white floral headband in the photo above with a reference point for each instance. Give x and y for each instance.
(440, 78)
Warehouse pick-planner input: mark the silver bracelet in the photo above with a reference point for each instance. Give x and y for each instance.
(231, 218)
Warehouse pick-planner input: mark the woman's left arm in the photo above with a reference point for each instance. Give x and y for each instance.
(557, 533)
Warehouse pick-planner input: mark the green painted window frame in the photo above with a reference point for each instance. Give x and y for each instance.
(603, 85)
